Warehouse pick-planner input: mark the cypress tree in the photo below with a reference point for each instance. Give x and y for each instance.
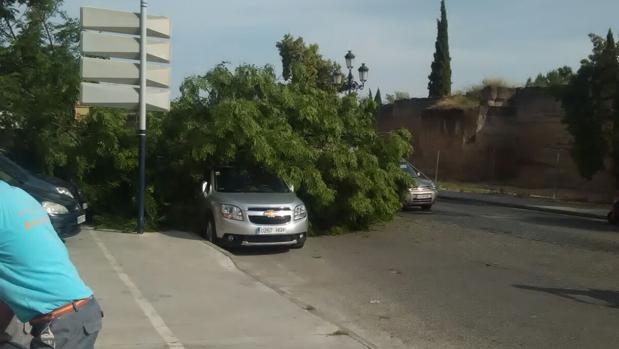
(377, 98)
(440, 78)
(370, 95)
(591, 104)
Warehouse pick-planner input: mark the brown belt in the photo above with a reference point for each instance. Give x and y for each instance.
(65, 309)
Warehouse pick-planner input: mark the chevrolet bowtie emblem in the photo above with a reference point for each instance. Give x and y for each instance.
(270, 214)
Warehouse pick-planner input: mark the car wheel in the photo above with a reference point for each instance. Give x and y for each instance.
(611, 218)
(426, 207)
(299, 244)
(210, 232)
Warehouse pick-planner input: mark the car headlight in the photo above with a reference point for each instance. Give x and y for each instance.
(53, 208)
(231, 212)
(65, 191)
(300, 212)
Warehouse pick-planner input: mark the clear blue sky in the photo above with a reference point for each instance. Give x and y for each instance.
(395, 38)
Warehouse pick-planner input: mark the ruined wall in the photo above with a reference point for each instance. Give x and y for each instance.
(515, 137)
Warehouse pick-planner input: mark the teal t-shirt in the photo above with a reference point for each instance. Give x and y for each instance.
(36, 274)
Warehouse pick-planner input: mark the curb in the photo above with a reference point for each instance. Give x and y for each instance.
(306, 307)
(523, 206)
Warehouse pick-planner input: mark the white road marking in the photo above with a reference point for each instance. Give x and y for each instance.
(155, 319)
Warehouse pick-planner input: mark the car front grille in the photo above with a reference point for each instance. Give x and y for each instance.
(262, 209)
(270, 220)
(267, 238)
(422, 201)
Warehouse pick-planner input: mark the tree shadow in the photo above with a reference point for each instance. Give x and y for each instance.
(611, 298)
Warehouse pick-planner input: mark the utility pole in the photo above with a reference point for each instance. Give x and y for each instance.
(438, 159)
(555, 194)
(142, 117)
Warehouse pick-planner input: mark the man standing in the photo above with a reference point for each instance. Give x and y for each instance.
(38, 281)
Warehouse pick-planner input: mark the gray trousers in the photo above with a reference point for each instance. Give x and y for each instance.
(75, 330)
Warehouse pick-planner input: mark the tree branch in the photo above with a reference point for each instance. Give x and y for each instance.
(5, 33)
(50, 38)
(8, 24)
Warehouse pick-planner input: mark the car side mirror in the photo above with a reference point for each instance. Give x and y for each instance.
(205, 188)
(418, 174)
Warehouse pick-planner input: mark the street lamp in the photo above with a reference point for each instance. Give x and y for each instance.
(350, 85)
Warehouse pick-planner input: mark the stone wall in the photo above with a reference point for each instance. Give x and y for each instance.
(514, 137)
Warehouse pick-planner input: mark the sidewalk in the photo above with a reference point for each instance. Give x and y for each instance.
(173, 290)
(587, 211)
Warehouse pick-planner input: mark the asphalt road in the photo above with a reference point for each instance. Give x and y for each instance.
(463, 276)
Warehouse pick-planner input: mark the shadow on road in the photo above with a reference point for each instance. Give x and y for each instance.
(182, 235)
(257, 251)
(238, 251)
(572, 222)
(416, 210)
(611, 298)
(437, 211)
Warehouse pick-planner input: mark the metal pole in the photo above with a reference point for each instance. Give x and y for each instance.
(142, 120)
(555, 194)
(438, 158)
(349, 84)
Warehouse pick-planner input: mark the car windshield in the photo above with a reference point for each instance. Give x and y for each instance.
(232, 180)
(410, 169)
(12, 169)
(4, 176)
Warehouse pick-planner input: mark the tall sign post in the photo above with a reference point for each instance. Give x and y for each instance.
(142, 120)
(111, 79)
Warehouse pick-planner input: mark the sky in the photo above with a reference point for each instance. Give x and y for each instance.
(508, 39)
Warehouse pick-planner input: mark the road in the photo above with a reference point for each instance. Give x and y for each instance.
(463, 276)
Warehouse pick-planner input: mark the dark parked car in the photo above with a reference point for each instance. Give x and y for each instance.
(60, 199)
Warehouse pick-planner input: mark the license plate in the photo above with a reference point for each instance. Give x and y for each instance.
(84, 206)
(427, 196)
(271, 230)
(81, 219)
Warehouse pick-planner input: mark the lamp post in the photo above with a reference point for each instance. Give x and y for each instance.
(350, 85)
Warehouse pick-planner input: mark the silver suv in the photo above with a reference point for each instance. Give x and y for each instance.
(423, 193)
(252, 208)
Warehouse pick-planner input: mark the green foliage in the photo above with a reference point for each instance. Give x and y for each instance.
(591, 104)
(378, 99)
(558, 77)
(322, 144)
(104, 163)
(303, 63)
(440, 77)
(39, 81)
